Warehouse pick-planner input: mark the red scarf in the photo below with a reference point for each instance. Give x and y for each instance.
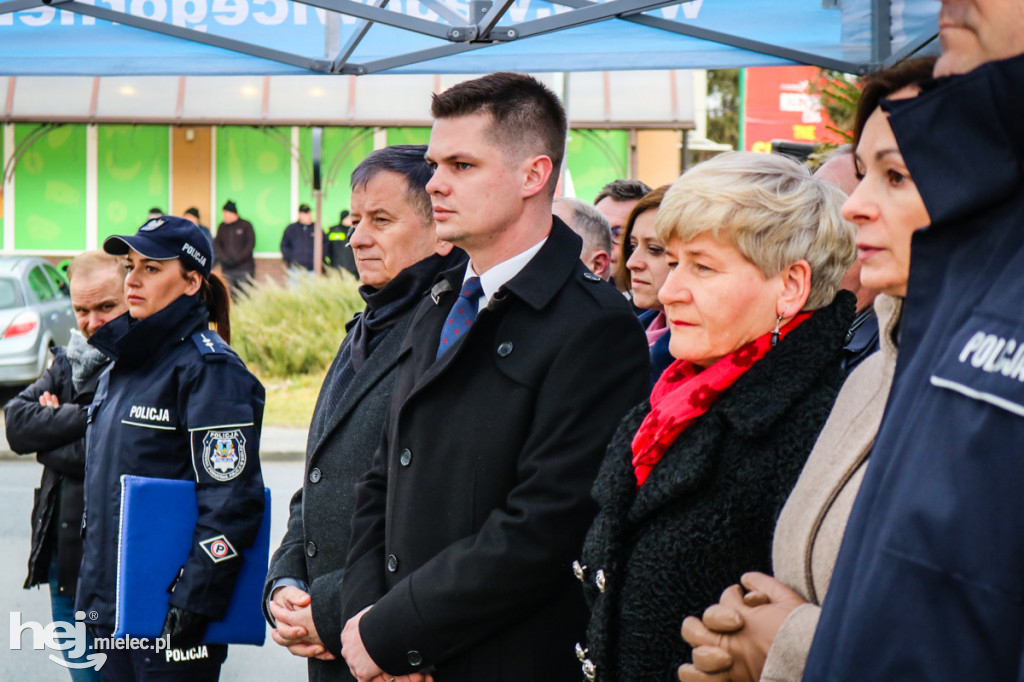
(685, 392)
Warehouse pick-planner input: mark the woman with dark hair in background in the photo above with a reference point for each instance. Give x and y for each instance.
(177, 403)
(766, 633)
(642, 270)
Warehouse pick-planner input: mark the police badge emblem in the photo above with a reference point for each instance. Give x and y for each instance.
(224, 454)
(218, 549)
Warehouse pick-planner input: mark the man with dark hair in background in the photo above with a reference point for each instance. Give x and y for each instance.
(513, 376)
(298, 240)
(615, 201)
(49, 418)
(399, 257)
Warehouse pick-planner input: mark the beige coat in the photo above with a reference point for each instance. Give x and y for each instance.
(811, 525)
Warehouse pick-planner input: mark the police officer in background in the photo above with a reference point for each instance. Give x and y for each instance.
(338, 248)
(175, 389)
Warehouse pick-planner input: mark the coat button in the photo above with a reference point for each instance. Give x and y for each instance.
(392, 563)
(310, 548)
(315, 475)
(405, 458)
(505, 349)
(415, 658)
(63, 525)
(599, 580)
(579, 570)
(589, 670)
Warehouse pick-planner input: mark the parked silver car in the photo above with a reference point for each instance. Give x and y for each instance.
(35, 315)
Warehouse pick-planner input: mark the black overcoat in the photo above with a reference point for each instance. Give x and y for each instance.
(342, 439)
(706, 513)
(58, 438)
(478, 500)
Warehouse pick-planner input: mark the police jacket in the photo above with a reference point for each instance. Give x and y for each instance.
(930, 577)
(176, 403)
(57, 436)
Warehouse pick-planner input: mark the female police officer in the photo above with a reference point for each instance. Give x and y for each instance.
(176, 403)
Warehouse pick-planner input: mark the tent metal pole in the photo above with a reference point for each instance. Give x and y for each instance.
(881, 30)
(725, 39)
(443, 11)
(18, 5)
(909, 49)
(353, 42)
(383, 16)
(490, 18)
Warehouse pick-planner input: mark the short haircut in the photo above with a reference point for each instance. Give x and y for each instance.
(881, 84)
(90, 261)
(590, 224)
(648, 202)
(406, 160)
(193, 211)
(623, 190)
(771, 209)
(528, 118)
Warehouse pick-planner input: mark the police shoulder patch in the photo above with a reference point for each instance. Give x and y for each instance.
(211, 346)
(218, 548)
(224, 454)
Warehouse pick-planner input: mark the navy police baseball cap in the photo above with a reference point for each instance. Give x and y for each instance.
(165, 238)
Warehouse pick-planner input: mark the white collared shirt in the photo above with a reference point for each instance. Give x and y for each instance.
(493, 279)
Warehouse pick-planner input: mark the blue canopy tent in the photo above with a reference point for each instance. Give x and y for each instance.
(272, 37)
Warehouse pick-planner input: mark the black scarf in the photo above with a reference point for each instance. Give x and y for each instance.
(384, 307)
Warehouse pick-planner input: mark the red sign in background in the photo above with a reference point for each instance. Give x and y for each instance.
(779, 106)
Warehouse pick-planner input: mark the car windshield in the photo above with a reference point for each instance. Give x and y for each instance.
(10, 294)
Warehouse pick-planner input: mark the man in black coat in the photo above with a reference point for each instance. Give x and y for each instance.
(399, 257)
(467, 525)
(49, 419)
(233, 247)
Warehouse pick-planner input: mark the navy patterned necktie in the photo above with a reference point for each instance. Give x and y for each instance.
(462, 314)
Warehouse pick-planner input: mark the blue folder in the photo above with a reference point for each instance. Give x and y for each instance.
(153, 545)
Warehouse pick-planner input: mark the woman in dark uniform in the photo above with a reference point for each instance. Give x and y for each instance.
(177, 403)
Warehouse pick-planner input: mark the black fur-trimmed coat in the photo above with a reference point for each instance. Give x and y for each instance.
(706, 513)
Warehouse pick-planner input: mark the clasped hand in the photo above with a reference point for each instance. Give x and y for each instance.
(731, 642)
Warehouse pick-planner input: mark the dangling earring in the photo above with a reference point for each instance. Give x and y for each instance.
(775, 332)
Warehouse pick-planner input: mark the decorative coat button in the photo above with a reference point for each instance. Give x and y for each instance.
(579, 570)
(589, 670)
(599, 580)
(314, 475)
(581, 653)
(310, 548)
(405, 458)
(415, 658)
(505, 349)
(392, 563)
(591, 276)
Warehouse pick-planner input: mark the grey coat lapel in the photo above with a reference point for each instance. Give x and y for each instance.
(381, 361)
